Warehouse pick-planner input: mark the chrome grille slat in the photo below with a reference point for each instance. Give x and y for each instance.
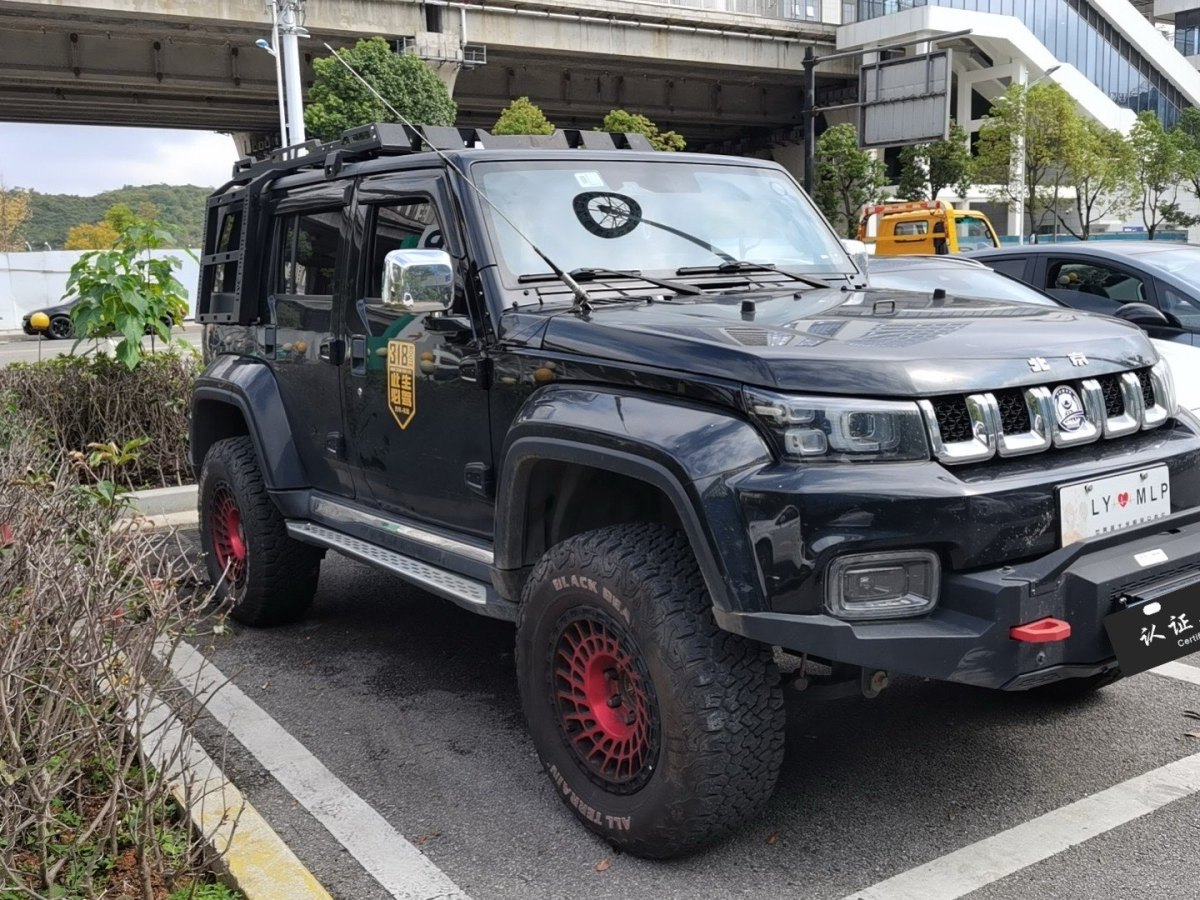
(975, 427)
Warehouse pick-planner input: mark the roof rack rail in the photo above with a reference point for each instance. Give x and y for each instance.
(388, 139)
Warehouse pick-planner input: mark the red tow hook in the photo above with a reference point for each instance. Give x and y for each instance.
(1041, 631)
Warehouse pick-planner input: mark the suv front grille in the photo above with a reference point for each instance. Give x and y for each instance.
(965, 428)
(1114, 402)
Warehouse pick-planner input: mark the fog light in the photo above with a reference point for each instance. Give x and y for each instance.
(883, 585)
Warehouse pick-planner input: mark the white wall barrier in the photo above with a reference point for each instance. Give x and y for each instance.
(33, 281)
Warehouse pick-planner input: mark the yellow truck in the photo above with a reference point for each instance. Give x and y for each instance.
(926, 227)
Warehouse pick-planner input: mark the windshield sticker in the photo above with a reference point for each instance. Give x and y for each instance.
(607, 215)
(402, 382)
(589, 179)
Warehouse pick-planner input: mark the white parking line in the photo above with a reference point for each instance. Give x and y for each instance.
(395, 863)
(991, 859)
(1181, 671)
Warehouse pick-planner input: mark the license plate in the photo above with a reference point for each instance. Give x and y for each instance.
(1156, 631)
(1109, 504)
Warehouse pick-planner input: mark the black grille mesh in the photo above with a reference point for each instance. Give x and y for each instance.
(1114, 402)
(1147, 387)
(1014, 414)
(953, 420)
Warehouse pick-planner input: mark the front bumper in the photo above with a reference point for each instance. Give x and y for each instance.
(967, 638)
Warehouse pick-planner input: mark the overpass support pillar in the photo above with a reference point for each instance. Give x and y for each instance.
(443, 51)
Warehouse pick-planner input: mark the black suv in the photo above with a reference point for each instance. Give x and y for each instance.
(642, 405)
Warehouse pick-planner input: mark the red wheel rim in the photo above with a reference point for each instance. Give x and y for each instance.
(605, 708)
(228, 538)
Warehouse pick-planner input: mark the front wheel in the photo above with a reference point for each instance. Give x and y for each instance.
(659, 731)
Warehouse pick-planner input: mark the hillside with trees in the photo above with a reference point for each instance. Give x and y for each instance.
(179, 207)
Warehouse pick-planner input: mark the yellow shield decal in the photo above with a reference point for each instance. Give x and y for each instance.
(402, 382)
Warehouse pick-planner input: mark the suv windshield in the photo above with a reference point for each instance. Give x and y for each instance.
(653, 217)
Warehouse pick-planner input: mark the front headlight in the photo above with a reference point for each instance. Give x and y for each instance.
(840, 428)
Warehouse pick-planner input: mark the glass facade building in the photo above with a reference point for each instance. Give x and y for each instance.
(1075, 33)
(1187, 32)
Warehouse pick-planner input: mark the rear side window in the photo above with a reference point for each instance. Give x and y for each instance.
(1012, 267)
(911, 229)
(307, 253)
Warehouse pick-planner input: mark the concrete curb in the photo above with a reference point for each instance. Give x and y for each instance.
(252, 856)
(159, 508)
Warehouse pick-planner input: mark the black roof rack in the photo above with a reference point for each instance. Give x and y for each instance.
(387, 139)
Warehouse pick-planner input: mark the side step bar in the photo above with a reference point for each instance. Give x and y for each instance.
(466, 592)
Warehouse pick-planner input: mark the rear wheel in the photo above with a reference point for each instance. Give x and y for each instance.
(661, 732)
(267, 577)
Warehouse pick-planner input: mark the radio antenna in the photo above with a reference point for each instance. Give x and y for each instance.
(582, 300)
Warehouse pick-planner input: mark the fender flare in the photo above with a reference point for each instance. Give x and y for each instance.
(250, 387)
(687, 451)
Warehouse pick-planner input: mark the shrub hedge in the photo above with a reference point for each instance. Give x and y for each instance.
(74, 401)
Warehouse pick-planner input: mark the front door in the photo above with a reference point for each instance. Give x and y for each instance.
(417, 427)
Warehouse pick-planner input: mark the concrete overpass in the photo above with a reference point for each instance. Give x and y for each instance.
(716, 70)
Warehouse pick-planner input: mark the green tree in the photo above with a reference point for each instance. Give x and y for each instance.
(522, 117)
(914, 174)
(1187, 133)
(338, 100)
(848, 178)
(1099, 166)
(1158, 159)
(928, 169)
(14, 213)
(622, 122)
(120, 217)
(128, 292)
(1023, 144)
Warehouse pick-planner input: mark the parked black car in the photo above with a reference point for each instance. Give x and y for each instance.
(1101, 276)
(643, 406)
(60, 320)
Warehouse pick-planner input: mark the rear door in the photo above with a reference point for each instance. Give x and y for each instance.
(308, 253)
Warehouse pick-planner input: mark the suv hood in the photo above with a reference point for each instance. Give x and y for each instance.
(876, 342)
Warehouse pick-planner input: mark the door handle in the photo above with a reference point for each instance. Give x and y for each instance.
(358, 354)
(331, 352)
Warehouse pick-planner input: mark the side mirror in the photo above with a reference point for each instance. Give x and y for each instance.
(1143, 315)
(418, 281)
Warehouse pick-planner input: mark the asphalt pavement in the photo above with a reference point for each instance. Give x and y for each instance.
(17, 347)
(412, 703)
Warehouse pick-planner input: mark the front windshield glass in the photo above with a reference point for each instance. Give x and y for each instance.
(654, 217)
(959, 281)
(972, 229)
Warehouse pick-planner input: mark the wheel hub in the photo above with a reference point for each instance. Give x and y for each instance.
(604, 710)
(228, 536)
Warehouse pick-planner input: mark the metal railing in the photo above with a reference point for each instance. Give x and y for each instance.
(791, 10)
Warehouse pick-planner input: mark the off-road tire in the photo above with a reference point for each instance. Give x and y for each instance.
(707, 703)
(273, 578)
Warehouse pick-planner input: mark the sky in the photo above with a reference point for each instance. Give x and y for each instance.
(82, 159)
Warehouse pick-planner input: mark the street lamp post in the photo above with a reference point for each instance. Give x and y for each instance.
(287, 27)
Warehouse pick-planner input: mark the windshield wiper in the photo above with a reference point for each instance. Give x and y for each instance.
(743, 265)
(589, 274)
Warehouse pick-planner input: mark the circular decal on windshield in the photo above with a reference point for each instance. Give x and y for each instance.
(1068, 408)
(606, 214)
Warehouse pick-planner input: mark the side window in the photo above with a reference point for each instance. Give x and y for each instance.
(1012, 267)
(1186, 309)
(911, 229)
(1095, 279)
(307, 253)
(409, 225)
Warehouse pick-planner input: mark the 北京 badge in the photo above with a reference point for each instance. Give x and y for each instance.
(402, 381)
